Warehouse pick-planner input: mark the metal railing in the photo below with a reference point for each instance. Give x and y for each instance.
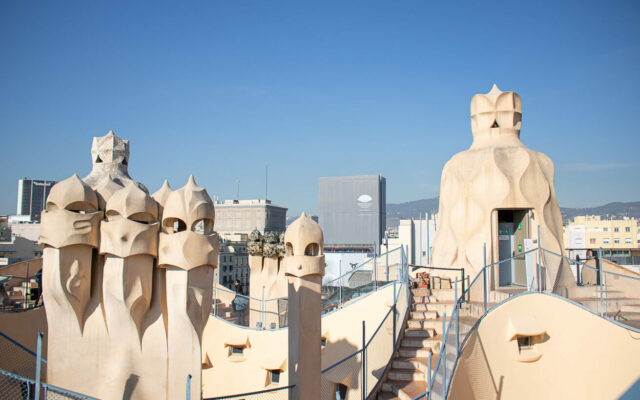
(370, 363)
(260, 313)
(623, 260)
(601, 297)
(17, 358)
(600, 290)
(280, 393)
(250, 312)
(15, 385)
(32, 297)
(367, 277)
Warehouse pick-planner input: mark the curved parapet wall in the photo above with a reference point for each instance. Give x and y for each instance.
(497, 172)
(541, 346)
(228, 373)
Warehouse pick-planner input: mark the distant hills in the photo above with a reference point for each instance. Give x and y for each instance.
(616, 210)
(413, 209)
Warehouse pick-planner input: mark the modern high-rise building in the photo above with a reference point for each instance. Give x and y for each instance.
(352, 210)
(32, 197)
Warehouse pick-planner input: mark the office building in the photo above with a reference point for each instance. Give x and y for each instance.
(352, 210)
(32, 196)
(243, 216)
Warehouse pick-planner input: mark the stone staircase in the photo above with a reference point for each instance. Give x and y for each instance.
(406, 378)
(423, 335)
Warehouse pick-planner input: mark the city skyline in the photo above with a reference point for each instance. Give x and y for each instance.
(332, 90)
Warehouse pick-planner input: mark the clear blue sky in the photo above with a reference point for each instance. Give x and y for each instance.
(221, 88)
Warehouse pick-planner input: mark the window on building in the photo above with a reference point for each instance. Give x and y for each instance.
(236, 352)
(592, 241)
(627, 240)
(616, 229)
(525, 343)
(605, 240)
(341, 391)
(605, 229)
(616, 241)
(273, 377)
(627, 229)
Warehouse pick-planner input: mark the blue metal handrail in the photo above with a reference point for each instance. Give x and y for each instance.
(20, 346)
(251, 393)
(352, 300)
(461, 300)
(361, 265)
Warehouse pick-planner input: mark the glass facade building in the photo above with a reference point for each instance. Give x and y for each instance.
(32, 197)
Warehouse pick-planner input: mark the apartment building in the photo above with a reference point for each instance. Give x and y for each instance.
(618, 238)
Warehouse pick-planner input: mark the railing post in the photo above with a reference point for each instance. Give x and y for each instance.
(215, 293)
(26, 287)
(462, 294)
(387, 260)
(539, 261)
(375, 272)
(484, 276)
(364, 364)
(38, 364)
(189, 387)
(443, 351)
(405, 273)
(262, 309)
(606, 308)
(340, 281)
(578, 278)
(600, 279)
(429, 375)
(455, 310)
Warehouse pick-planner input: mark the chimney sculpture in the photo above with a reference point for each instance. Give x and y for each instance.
(126, 305)
(267, 278)
(189, 253)
(498, 172)
(304, 265)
